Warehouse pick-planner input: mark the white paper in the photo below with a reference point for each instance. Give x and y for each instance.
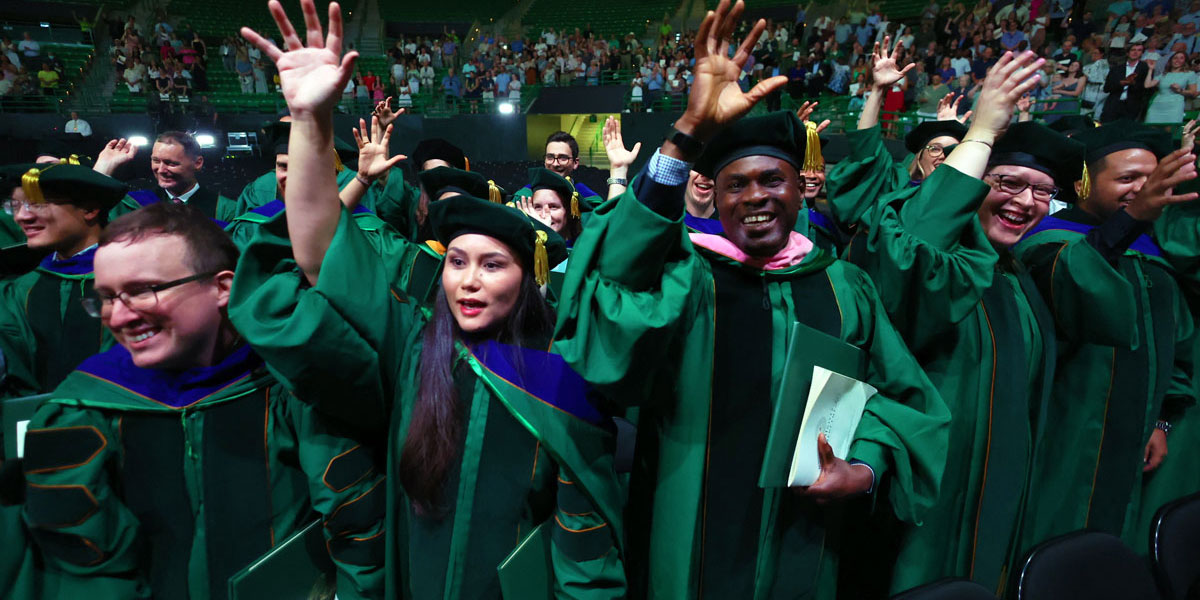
(835, 406)
(21, 427)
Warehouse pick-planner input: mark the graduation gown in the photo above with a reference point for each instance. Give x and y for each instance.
(206, 199)
(264, 190)
(1177, 232)
(1131, 368)
(533, 451)
(44, 331)
(10, 232)
(147, 483)
(977, 324)
(697, 341)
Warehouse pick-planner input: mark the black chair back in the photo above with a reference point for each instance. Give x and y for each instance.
(1175, 547)
(1085, 564)
(947, 589)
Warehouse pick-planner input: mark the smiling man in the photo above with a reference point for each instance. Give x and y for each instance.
(562, 157)
(175, 161)
(695, 328)
(161, 467)
(1116, 397)
(44, 332)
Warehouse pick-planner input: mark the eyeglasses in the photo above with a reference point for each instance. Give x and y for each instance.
(559, 158)
(137, 299)
(935, 150)
(1014, 185)
(13, 207)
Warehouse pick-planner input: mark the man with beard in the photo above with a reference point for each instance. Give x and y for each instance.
(695, 328)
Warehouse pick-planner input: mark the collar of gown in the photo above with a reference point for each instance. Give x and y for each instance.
(792, 254)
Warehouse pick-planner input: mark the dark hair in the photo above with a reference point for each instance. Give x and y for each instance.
(435, 426)
(568, 139)
(209, 247)
(190, 146)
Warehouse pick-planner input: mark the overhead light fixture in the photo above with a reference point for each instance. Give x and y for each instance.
(206, 141)
(507, 108)
(138, 140)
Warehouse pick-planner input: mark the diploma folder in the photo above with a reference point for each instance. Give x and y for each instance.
(527, 573)
(807, 349)
(289, 571)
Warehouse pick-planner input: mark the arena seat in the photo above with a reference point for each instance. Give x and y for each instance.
(1175, 547)
(1085, 564)
(947, 589)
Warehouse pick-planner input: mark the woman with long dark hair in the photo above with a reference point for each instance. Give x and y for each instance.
(501, 469)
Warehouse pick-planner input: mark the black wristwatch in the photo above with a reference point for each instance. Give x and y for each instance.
(690, 146)
(1163, 426)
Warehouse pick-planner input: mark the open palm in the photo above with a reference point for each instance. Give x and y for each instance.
(886, 71)
(312, 78)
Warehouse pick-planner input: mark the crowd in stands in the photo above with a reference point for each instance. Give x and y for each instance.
(166, 62)
(26, 70)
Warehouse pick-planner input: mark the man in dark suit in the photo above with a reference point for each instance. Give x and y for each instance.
(1126, 87)
(175, 160)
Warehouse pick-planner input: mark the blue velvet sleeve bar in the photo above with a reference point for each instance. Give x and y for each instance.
(1115, 235)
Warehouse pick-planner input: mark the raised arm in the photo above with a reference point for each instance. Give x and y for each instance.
(373, 161)
(884, 73)
(619, 158)
(312, 78)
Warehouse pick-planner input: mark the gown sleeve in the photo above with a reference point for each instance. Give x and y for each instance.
(17, 342)
(396, 203)
(346, 486)
(1089, 298)
(341, 343)
(630, 292)
(904, 431)
(586, 563)
(74, 513)
(856, 183)
(927, 254)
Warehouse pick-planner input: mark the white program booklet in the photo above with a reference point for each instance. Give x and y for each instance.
(835, 406)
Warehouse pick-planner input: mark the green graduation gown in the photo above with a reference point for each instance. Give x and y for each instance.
(44, 331)
(978, 326)
(206, 199)
(1129, 367)
(265, 189)
(145, 483)
(1177, 232)
(10, 232)
(352, 345)
(697, 342)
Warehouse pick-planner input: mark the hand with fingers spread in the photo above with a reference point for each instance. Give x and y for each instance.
(115, 153)
(525, 204)
(373, 161)
(619, 157)
(1013, 76)
(806, 110)
(311, 76)
(1159, 190)
(1189, 134)
(715, 99)
(839, 479)
(884, 70)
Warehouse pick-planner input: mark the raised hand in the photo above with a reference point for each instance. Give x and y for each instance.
(312, 77)
(383, 111)
(115, 153)
(619, 157)
(1009, 79)
(806, 110)
(884, 70)
(1159, 190)
(525, 204)
(1189, 135)
(948, 109)
(716, 100)
(373, 161)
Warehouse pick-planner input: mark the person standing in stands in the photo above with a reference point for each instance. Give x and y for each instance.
(1117, 393)
(562, 157)
(1126, 87)
(164, 465)
(490, 439)
(694, 330)
(175, 161)
(44, 331)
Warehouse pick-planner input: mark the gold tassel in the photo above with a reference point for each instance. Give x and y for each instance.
(436, 246)
(70, 160)
(30, 183)
(337, 162)
(575, 205)
(1085, 185)
(494, 192)
(813, 160)
(541, 260)
(466, 164)
(511, 205)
